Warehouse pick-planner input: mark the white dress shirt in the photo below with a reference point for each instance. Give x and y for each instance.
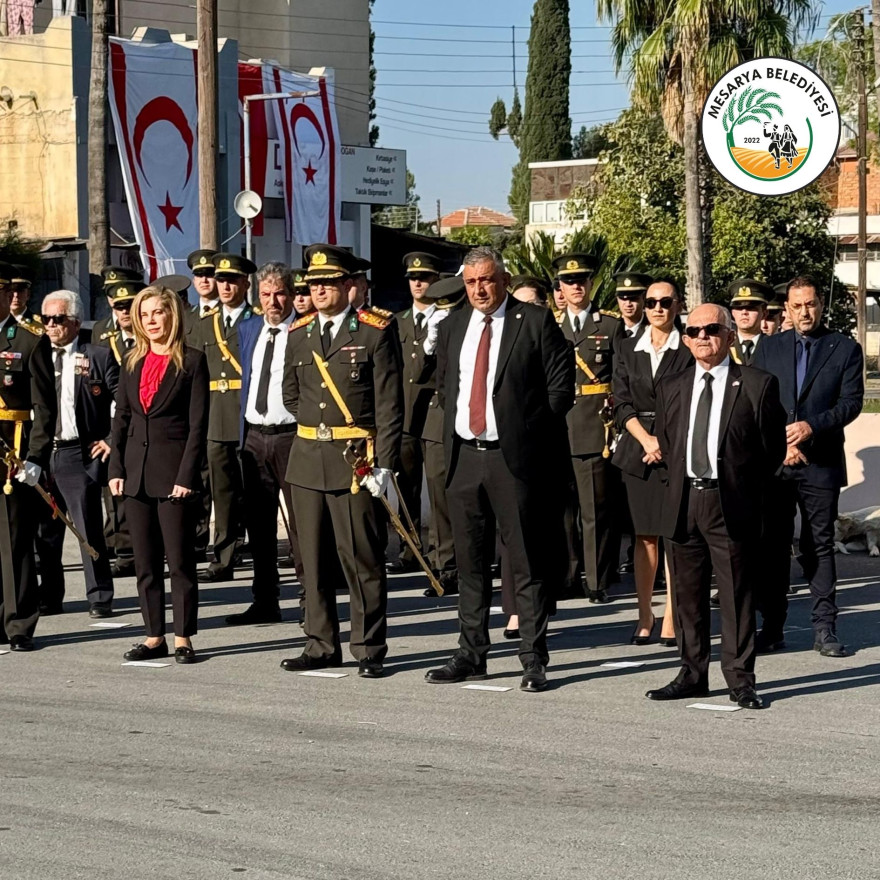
(583, 316)
(719, 385)
(276, 414)
(335, 322)
(425, 313)
(205, 307)
(644, 344)
(467, 363)
(631, 331)
(232, 314)
(67, 403)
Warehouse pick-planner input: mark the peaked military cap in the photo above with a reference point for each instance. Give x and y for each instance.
(200, 261)
(7, 272)
(299, 278)
(749, 290)
(124, 291)
(446, 292)
(21, 275)
(115, 274)
(177, 283)
(363, 266)
(329, 261)
(574, 264)
(232, 264)
(632, 282)
(780, 295)
(421, 263)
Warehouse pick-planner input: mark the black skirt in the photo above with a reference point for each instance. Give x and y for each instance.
(646, 500)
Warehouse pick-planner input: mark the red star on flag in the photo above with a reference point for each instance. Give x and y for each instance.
(170, 213)
(310, 174)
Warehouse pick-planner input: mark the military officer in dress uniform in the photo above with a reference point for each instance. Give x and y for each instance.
(342, 382)
(773, 319)
(748, 305)
(591, 332)
(28, 412)
(20, 284)
(302, 296)
(217, 335)
(201, 265)
(422, 270)
(631, 288)
(113, 275)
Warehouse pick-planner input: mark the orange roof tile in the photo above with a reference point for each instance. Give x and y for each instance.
(476, 216)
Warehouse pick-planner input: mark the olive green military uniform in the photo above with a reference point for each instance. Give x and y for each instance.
(744, 292)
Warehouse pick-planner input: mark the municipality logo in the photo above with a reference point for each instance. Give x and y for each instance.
(770, 126)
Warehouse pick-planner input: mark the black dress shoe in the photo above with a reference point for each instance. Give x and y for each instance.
(643, 640)
(123, 567)
(21, 643)
(598, 597)
(828, 645)
(746, 698)
(184, 654)
(401, 566)
(449, 582)
(99, 611)
(511, 633)
(287, 562)
(369, 667)
(457, 669)
(213, 575)
(144, 652)
(626, 568)
(534, 678)
(768, 642)
(256, 614)
(305, 663)
(668, 642)
(49, 610)
(678, 690)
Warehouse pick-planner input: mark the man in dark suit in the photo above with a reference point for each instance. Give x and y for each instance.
(217, 336)
(267, 431)
(821, 387)
(86, 377)
(342, 384)
(505, 376)
(748, 305)
(27, 422)
(722, 436)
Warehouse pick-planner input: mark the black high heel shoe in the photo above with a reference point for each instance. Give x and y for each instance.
(669, 642)
(643, 640)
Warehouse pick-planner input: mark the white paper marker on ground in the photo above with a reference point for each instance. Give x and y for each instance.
(109, 625)
(4, 652)
(624, 664)
(316, 674)
(713, 707)
(485, 687)
(496, 609)
(151, 663)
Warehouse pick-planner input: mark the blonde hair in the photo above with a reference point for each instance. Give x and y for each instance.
(172, 305)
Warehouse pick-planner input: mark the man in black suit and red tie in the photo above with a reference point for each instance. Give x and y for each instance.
(505, 377)
(722, 435)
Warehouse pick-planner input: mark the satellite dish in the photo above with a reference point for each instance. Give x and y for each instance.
(247, 204)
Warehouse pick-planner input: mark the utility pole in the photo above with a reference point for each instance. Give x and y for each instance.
(862, 146)
(875, 32)
(438, 218)
(99, 218)
(206, 28)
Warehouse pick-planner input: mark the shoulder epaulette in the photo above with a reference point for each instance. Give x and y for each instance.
(366, 316)
(256, 310)
(302, 322)
(382, 313)
(32, 327)
(107, 334)
(37, 318)
(609, 314)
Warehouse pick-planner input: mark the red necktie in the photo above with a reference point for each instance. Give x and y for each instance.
(477, 405)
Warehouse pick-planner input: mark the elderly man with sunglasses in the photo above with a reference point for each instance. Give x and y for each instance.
(722, 435)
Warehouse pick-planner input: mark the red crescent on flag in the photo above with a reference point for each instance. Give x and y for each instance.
(157, 110)
(303, 111)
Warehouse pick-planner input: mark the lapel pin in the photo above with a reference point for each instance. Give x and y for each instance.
(735, 384)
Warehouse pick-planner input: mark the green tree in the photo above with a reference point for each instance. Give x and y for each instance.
(472, 235)
(401, 216)
(589, 142)
(675, 51)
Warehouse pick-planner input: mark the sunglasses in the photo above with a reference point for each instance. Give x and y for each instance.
(53, 319)
(576, 279)
(664, 303)
(711, 330)
(122, 307)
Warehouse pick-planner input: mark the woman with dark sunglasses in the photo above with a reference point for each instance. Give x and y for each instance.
(638, 367)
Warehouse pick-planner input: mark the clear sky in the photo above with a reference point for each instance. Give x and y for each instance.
(442, 64)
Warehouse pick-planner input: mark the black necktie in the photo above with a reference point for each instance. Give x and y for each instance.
(747, 347)
(577, 324)
(129, 343)
(228, 324)
(420, 322)
(327, 337)
(700, 440)
(59, 372)
(266, 373)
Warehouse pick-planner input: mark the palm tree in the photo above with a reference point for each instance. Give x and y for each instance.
(676, 50)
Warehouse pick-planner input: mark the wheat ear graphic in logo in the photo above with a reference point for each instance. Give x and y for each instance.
(781, 156)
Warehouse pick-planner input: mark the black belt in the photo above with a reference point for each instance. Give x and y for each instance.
(702, 483)
(482, 445)
(65, 444)
(272, 429)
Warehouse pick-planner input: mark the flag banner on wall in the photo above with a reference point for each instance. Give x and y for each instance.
(310, 157)
(257, 79)
(153, 102)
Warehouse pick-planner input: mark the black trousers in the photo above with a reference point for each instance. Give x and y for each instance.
(49, 545)
(19, 602)
(410, 482)
(708, 548)
(227, 492)
(818, 509)
(116, 534)
(482, 493)
(601, 539)
(441, 543)
(264, 462)
(79, 495)
(341, 529)
(203, 520)
(163, 528)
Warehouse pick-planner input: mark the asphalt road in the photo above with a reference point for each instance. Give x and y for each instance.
(233, 767)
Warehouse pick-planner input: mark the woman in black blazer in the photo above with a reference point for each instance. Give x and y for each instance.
(159, 436)
(639, 364)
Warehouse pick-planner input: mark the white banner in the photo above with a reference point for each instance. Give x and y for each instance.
(153, 101)
(310, 158)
